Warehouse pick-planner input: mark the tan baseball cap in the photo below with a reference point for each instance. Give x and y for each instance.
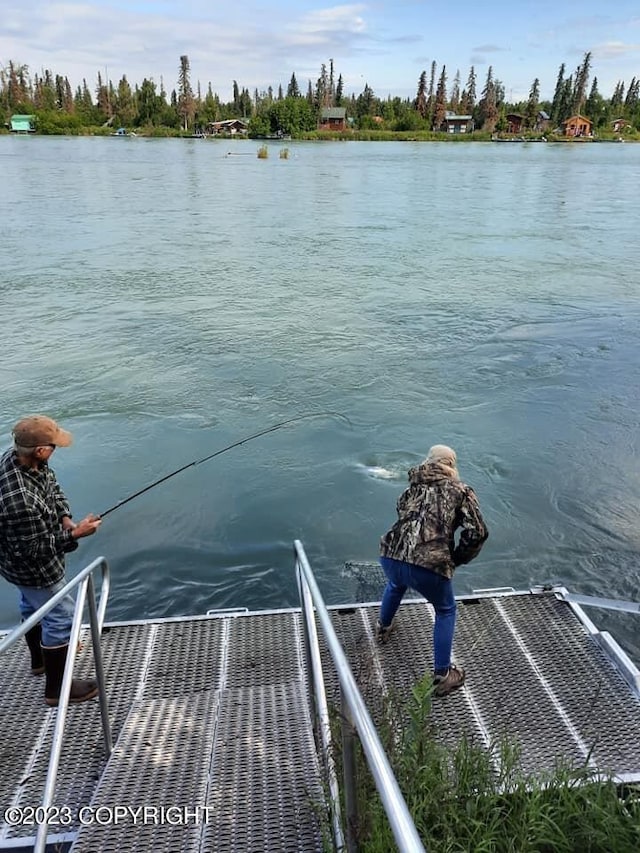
(38, 430)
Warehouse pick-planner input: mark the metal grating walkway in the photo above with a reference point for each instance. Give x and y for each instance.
(213, 732)
(211, 715)
(534, 675)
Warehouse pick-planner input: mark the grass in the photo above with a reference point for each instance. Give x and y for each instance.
(263, 152)
(477, 799)
(284, 153)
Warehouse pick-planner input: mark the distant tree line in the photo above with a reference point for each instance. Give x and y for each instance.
(186, 109)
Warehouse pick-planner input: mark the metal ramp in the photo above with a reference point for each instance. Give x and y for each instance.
(214, 740)
(536, 675)
(214, 746)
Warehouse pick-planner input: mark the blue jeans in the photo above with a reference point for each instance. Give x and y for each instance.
(56, 625)
(437, 589)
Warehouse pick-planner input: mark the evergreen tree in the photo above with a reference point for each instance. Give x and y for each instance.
(292, 88)
(488, 104)
(102, 98)
(633, 95)
(565, 105)
(125, 107)
(468, 97)
(44, 92)
(323, 92)
(186, 104)
(431, 96)
(592, 102)
(210, 106)
(83, 105)
(533, 105)
(87, 101)
(420, 103)
(339, 89)
(440, 108)
(596, 107)
(64, 100)
(17, 90)
(557, 95)
(454, 101)
(581, 82)
(618, 94)
(149, 105)
(245, 103)
(365, 104)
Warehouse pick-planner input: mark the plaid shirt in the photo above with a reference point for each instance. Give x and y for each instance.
(32, 541)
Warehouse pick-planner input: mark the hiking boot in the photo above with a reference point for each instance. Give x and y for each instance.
(444, 684)
(382, 632)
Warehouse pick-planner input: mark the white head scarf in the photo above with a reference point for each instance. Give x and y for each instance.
(444, 456)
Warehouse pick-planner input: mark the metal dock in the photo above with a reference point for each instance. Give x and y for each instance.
(217, 745)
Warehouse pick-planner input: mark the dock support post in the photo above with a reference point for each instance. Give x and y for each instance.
(349, 762)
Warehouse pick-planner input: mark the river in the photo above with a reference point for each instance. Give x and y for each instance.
(165, 298)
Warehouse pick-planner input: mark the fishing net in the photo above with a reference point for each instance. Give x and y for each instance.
(367, 580)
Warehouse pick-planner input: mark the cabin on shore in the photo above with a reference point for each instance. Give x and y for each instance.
(543, 120)
(578, 126)
(453, 123)
(229, 127)
(23, 124)
(333, 118)
(619, 124)
(515, 122)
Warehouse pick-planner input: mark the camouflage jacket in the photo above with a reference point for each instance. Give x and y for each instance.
(435, 505)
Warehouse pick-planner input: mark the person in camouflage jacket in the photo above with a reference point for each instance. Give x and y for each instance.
(420, 551)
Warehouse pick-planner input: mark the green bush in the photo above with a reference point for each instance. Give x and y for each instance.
(52, 122)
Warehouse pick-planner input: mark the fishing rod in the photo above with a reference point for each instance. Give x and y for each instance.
(223, 450)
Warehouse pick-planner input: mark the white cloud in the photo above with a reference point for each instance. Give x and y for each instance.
(614, 50)
(489, 48)
(336, 19)
(259, 48)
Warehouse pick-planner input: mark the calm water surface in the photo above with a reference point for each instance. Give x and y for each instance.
(164, 298)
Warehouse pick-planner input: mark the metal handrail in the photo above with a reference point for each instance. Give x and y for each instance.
(623, 662)
(604, 603)
(319, 698)
(402, 825)
(84, 582)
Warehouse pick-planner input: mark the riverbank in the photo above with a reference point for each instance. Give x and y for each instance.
(373, 135)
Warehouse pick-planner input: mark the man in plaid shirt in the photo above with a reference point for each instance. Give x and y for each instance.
(36, 531)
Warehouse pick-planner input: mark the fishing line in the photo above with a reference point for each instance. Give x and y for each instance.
(224, 450)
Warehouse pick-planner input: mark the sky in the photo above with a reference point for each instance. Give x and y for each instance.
(383, 43)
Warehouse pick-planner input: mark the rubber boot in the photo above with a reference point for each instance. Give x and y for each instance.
(34, 638)
(55, 658)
